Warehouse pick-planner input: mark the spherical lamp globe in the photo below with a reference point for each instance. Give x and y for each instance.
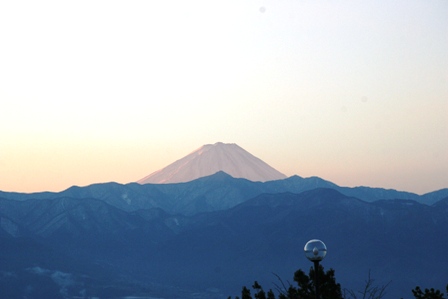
(315, 250)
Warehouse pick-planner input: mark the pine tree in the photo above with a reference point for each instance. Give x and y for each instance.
(305, 288)
(428, 293)
(245, 293)
(260, 294)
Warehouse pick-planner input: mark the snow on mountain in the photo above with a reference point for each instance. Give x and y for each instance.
(211, 158)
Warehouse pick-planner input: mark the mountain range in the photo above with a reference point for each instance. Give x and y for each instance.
(208, 237)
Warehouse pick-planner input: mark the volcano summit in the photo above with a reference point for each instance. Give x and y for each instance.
(211, 158)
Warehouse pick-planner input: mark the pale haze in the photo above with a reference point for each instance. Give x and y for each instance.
(355, 92)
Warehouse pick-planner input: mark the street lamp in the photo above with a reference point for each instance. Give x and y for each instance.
(315, 251)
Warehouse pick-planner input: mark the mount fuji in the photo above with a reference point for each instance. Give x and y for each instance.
(207, 237)
(212, 158)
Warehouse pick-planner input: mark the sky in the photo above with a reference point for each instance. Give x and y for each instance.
(354, 92)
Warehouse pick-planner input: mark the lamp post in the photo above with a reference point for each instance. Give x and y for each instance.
(315, 251)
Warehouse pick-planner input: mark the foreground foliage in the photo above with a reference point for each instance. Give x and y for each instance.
(428, 293)
(328, 288)
(305, 288)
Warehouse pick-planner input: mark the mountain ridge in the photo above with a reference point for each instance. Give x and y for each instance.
(167, 255)
(215, 192)
(207, 237)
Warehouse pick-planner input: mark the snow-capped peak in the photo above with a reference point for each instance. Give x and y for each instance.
(211, 158)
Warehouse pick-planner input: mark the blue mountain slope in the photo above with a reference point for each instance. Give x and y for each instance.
(266, 234)
(148, 251)
(217, 192)
(433, 197)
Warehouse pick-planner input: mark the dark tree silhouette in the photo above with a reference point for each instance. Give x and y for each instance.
(260, 294)
(305, 288)
(245, 293)
(328, 288)
(428, 293)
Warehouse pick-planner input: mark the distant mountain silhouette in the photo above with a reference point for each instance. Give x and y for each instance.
(66, 247)
(212, 158)
(216, 192)
(228, 219)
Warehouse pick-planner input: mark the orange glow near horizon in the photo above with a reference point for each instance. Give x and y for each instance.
(355, 93)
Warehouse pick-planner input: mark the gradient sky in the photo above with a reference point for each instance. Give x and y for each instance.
(355, 92)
